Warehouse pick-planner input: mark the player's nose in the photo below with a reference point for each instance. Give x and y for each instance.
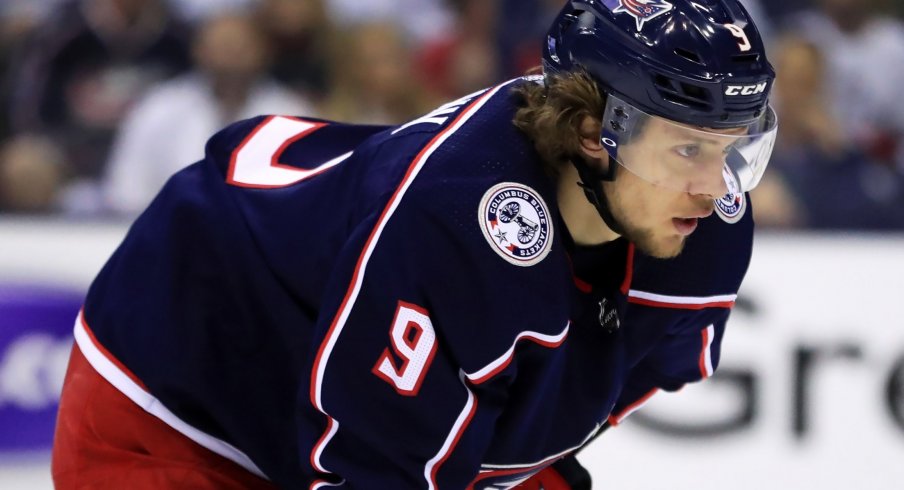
(709, 181)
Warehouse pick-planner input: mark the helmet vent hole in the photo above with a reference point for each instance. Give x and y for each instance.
(746, 58)
(695, 92)
(683, 94)
(663, 82)
(688, 55)
(687, 102)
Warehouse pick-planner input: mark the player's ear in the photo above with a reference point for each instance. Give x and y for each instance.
(589, 135)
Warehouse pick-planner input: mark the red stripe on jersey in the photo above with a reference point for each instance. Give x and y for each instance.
(616, 419)
(332, 332)
(511, 353)
(681, 306)
(582, 286)
(629, 270)
(230, 174)
(318, 484)
(514, 471)
(322, 440)
(110, 357)
(457, 438)
(274, 161)
(705, 363)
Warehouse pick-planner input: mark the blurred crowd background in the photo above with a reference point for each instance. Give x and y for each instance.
(102, 100)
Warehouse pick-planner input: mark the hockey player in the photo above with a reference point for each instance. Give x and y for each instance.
(463, 301)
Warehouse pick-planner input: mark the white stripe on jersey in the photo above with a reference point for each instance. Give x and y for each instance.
(122, 382)
(480, 375)
(332, 427)
(706, 360)
(464, 417)
(617, 419)
(496, 467)
(682, 300)
(321, 484)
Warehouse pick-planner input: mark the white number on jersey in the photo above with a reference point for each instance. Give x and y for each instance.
(413, 340)
(255, 163)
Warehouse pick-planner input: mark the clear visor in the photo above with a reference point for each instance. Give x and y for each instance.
(686, 158)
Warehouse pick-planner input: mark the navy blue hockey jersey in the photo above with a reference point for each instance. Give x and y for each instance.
(395, 307)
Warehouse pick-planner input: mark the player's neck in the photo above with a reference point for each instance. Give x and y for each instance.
(583, 220)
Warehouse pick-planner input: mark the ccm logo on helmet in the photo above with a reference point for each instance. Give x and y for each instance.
(746, 89)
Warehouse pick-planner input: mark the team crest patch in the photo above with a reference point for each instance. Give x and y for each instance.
(732, 205)
(642, 10)
(516, 223)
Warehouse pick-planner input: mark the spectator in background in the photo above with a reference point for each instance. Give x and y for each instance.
(466, 59)
(895, 7)
(17, 19)
(780, 9)
(299, 32)
(373, 78)
(160, 136)
(34, 10)
(864, 52)
(760, 15)
(86, 64)
(420, 21)
(195, 12)
(818, 177)
(31, 170)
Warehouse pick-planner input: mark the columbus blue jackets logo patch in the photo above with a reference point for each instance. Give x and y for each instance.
(642, 10)
(732, 205)
(516, 223)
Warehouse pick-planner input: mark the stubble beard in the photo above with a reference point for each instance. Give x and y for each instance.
(667, 247)
(648, 243)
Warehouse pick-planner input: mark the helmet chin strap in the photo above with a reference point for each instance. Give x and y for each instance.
(592, 184)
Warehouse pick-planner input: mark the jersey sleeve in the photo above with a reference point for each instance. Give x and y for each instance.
(686, 302)
(687, 355)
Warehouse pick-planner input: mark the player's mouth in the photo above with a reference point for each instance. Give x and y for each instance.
(686, 226)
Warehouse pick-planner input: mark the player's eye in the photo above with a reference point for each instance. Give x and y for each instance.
(688, 151)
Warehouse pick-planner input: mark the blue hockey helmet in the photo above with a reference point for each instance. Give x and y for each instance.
(700, 64)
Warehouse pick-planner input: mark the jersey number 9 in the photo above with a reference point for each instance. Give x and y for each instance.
(413, 341)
